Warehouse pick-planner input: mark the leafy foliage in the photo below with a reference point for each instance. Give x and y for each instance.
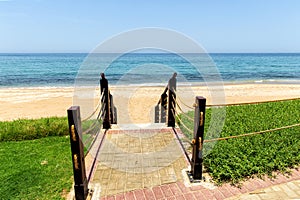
(235, 159)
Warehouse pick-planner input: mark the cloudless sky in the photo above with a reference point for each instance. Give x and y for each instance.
(218, 25)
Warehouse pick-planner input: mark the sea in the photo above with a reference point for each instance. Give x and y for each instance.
(69, 69)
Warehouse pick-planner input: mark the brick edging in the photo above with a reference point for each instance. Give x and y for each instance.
(179, 191)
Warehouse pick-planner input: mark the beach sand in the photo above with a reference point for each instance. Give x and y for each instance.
(134, 104)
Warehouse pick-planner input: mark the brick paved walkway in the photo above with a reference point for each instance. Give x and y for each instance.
(289, 190)
(281, 188)
(135, 159)
(148, 164)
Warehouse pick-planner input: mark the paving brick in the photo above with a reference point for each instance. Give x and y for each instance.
(276, 188)
(282, 195)
(290, 193)
(243, 189)
(129, 196)
(208, 194)
(179, 197)
(280, 179)
(218, 195)
(297, 172)
(149, 194)
(251, 197)
(139, 194)
(116, 191)
(196, 188)
(170, 198)
(199, 195)
(114, 178)
(182, 187)
(120, 197)
(269, 189)
(233, 190)
(250, 185)
(157, 192)
(110, 198)
(293, 186)
(269, 181)
(294, 176)
(189, 196)
(269, 196)
(263, 183)
(257, 182)
(166, 191)
(175, 190)
(224, 190)
(281, 191)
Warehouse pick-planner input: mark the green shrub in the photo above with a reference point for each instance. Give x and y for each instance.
(235, 159)
(26, 129)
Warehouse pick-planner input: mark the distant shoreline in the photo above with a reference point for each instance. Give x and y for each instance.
(86, 53)
(134, 103)
(274, 82)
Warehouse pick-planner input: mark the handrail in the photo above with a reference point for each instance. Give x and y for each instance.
(237, 104)
(92, 127)
(250, 134)
(165, 91)
(99, 102)
(249, 103)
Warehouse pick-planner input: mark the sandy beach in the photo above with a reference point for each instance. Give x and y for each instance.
(134, 104)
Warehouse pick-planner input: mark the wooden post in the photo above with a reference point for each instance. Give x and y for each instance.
(163, 114)
(113, 110)
(171, 108)
(81, 183)
(197, 157)
(106, 120)
(156, 114)
(172, 100)
(115, 115)
(163, 107)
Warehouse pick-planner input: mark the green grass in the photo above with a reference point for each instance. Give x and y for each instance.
(24, 129)
(35, 169)
(235, 159)
(35, 157)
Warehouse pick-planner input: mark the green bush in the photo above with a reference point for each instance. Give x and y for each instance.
(26, 129)
(235, 159)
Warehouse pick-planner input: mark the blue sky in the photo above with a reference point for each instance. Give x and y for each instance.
(218, 25)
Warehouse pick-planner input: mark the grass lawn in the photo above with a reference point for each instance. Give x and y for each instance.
(235, 159)
(35, 169)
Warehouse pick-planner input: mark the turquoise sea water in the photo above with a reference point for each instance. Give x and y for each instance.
(26, 70)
